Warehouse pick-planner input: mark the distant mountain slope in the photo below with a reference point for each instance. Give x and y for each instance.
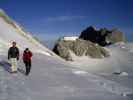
(11, 31)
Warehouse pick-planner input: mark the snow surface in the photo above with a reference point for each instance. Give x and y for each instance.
(70, 38)
(50, 79)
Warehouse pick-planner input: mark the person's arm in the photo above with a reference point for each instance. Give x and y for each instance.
(31, 54)
(9, 51)
(18, 54)
(23, 57)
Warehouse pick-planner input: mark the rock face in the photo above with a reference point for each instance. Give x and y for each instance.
(79, 48)
(115, 36)
(103, 36)
(90, 43)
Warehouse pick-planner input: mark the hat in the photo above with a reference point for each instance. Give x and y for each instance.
(27, 49)
(13, 42)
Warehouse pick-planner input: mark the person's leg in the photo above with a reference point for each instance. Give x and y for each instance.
(26, 67)
(11, 61)
(29, 66)
(13, 65)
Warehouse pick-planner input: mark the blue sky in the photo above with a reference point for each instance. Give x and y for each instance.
(50, 19)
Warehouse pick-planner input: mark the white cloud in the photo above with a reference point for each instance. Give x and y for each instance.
(64, 18)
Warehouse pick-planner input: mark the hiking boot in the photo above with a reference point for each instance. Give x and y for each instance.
(13, 72)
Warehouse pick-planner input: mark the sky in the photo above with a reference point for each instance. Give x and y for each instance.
(50, 19)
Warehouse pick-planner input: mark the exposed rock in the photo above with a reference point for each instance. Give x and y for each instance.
(103, 36)
(6, 18)
(79, 48)
(89, 34)
(115, 36)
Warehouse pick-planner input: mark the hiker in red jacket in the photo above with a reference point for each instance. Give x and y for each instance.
(27, 55)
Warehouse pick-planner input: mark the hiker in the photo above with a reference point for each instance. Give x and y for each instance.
(27, 54)
(13, 56)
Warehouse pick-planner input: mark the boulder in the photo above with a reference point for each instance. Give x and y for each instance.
(79, 47)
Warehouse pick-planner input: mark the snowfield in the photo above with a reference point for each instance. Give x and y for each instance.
(51, 78)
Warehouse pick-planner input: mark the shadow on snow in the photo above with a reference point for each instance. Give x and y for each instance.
(7, 67)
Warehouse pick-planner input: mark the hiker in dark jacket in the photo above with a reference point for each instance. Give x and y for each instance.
(13, 56)
(27, 55)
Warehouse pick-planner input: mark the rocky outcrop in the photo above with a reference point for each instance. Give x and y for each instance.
(90, 43)
(103, 36)
(115, 36)
(79, 48)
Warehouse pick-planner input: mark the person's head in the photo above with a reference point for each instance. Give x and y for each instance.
(27, 49)
(14, 44)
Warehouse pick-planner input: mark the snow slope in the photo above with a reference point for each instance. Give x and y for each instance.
(11, 31)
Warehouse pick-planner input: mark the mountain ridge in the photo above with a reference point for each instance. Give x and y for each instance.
(13, 29)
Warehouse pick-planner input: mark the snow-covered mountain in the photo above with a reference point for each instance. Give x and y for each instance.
(54, 79)
(10, 31)
(121, 59)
